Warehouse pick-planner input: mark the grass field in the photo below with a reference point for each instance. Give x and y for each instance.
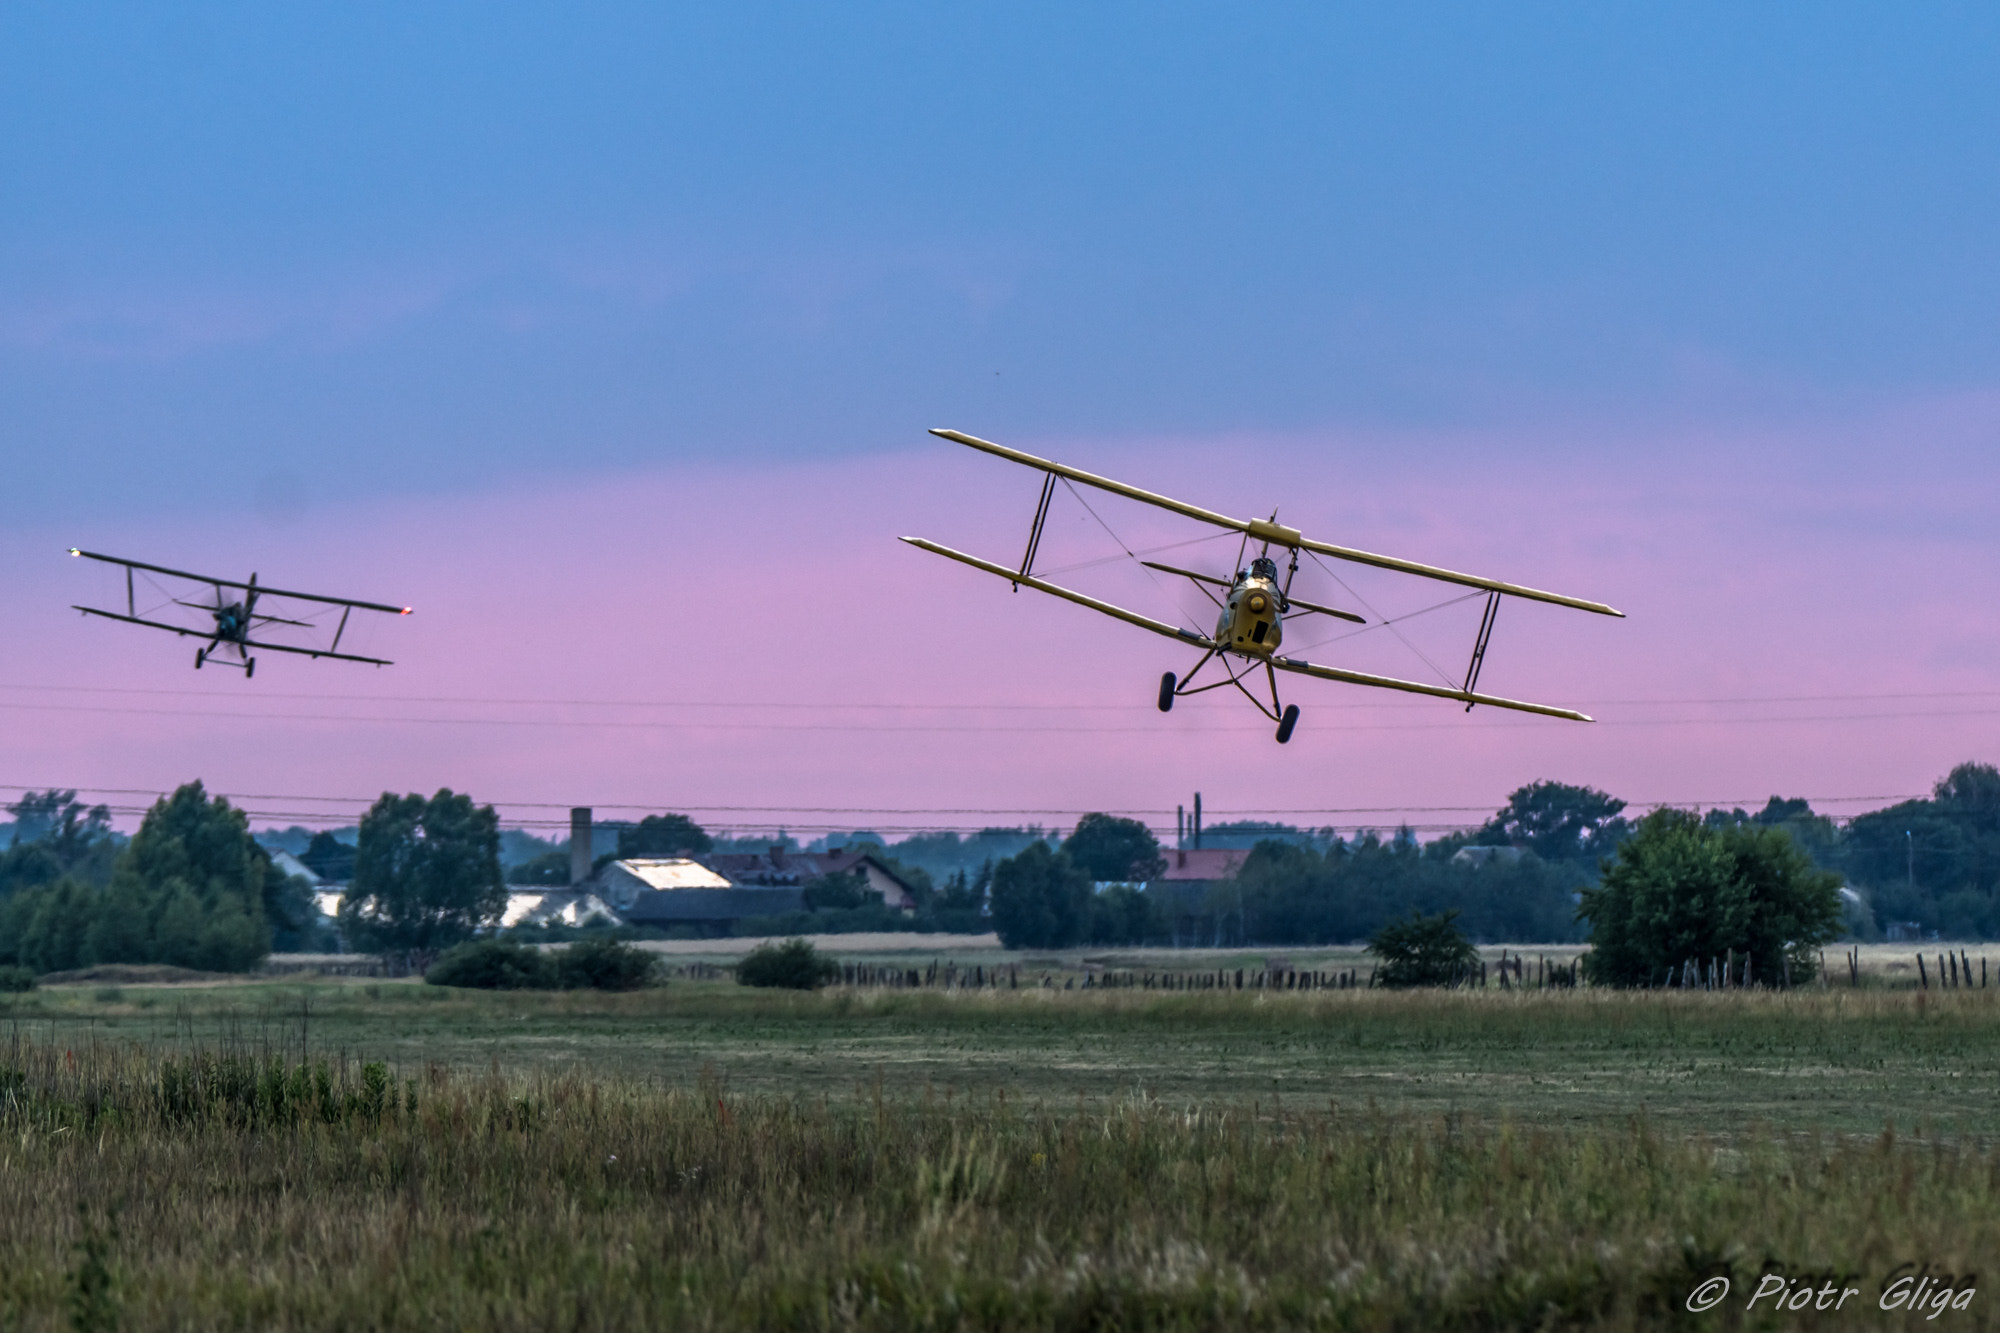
(708, 1156)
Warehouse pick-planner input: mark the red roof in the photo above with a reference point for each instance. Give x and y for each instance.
(1204, 862)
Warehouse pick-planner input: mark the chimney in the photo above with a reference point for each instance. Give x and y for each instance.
(579, 844)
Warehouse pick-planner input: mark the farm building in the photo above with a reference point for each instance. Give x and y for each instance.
(622, 883)
(710, 911)
(781, 868)
(1186, 890)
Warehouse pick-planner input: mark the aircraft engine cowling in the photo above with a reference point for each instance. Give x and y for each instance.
(1251, 620)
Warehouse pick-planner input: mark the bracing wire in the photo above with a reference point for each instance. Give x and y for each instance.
(1388, 623)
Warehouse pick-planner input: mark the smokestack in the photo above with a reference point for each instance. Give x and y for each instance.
(579, 844)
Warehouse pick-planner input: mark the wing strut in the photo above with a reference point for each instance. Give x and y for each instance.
(343, 626)
(1035, 533)
(1479, 647)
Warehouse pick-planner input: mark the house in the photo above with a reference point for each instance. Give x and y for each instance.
(782, 868)
(623, 882)
(1186, 891)
(288, 865)
(1479, 856)
(553, 907)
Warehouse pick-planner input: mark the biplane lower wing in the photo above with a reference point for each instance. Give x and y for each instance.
(1293, 664)
(1418, 687)
(185, 632)
(1040, 585)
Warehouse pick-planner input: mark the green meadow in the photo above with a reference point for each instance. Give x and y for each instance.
(380, 1154)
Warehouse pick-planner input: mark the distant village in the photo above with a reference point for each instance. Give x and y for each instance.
(713, 893)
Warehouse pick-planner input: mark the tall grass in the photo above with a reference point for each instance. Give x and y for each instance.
(239, 1189)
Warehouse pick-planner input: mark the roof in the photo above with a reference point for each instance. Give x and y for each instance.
(287, 864)
(712, 904)
(569, 907)
(1194, 863)
(671, 872)
(779, 867)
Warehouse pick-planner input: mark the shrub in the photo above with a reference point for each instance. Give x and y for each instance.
(1681, 891)
(603, 964)
(493, 965)
(16, 979)
(1421, 950)
(795, 965)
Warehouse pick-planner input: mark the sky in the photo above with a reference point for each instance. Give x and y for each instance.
(607, 336)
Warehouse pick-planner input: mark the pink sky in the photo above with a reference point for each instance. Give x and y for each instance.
(813, 662)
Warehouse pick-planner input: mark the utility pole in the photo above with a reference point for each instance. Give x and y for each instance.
(1910, 845)
(1197, 819)
(1180, 827)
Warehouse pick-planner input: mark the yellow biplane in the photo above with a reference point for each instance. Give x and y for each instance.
(1253, 605)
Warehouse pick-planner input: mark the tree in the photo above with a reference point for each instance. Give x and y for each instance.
(843, 890)
(664, 835)
(195, 872)
(1420, 950)
(1039, 900)
(426, 875)
(1557, 822)
(1680, 891)
(329, 858)
(1106, 847)
(1121, 914)
(56, 835)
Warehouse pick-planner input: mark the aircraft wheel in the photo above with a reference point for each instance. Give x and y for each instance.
(1287, 722)
(200, 656)
(250, 669)
(1167, 684)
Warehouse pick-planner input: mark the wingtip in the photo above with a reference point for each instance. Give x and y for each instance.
(75, 551)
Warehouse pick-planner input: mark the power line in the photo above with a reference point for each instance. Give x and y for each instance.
(908, 706)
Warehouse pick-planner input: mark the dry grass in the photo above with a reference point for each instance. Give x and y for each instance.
(234, 1190)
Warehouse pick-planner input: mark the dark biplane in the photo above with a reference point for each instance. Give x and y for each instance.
(233, 619)
(1253, 605)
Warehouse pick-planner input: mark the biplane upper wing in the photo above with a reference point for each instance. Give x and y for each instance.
(1274, 532)
(261, 590)
(1068, 595)
(185, 632)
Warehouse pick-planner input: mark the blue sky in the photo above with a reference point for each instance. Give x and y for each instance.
(417, 248)
(607, 336)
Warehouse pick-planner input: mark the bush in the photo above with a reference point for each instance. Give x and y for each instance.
(508, 965)
(794, 965)
(16, 979)
(1422, 950)
(1680, 892)
(603, 964)
(493, 965)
